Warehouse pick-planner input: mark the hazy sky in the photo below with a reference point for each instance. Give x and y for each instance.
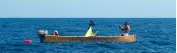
(87, 8)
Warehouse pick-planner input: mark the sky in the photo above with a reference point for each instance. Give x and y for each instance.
(87, 8)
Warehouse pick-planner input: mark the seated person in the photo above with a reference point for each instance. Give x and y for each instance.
(55, 33)
(126, 29)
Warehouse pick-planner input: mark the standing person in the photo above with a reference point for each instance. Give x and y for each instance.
(89, 32)
(126, 29)
(91, 23)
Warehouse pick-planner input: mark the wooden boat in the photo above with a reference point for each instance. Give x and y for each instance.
(51, 38)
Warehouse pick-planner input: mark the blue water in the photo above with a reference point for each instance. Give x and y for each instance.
(155, 35)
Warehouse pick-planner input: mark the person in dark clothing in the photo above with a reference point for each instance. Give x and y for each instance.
(91, 24)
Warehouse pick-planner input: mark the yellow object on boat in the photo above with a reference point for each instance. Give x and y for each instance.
(90, 33)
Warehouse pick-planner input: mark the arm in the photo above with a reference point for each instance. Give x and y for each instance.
(120, 27)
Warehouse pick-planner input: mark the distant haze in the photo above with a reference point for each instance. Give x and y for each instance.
(87, 8)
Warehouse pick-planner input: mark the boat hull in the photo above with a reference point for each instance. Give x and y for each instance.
(50, 38)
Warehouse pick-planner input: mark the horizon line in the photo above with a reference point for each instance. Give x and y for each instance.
(87, 17)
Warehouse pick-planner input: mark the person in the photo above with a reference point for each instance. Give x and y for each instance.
(126, 29)
(91, 24)
(46, 32)
(55, 33)
(89, 32)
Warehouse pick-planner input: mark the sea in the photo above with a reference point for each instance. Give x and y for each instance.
(153, 35)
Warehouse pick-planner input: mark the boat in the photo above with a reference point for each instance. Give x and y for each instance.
(53, 39)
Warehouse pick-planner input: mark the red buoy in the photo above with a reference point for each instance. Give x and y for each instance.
(27, 41)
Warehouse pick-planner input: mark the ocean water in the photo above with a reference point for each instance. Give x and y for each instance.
(154, 35)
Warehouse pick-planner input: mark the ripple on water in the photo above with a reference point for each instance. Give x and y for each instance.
(160, 43)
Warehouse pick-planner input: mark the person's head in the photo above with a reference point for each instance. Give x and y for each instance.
(126, 23)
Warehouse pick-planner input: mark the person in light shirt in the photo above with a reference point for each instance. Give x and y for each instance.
(55, 33)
